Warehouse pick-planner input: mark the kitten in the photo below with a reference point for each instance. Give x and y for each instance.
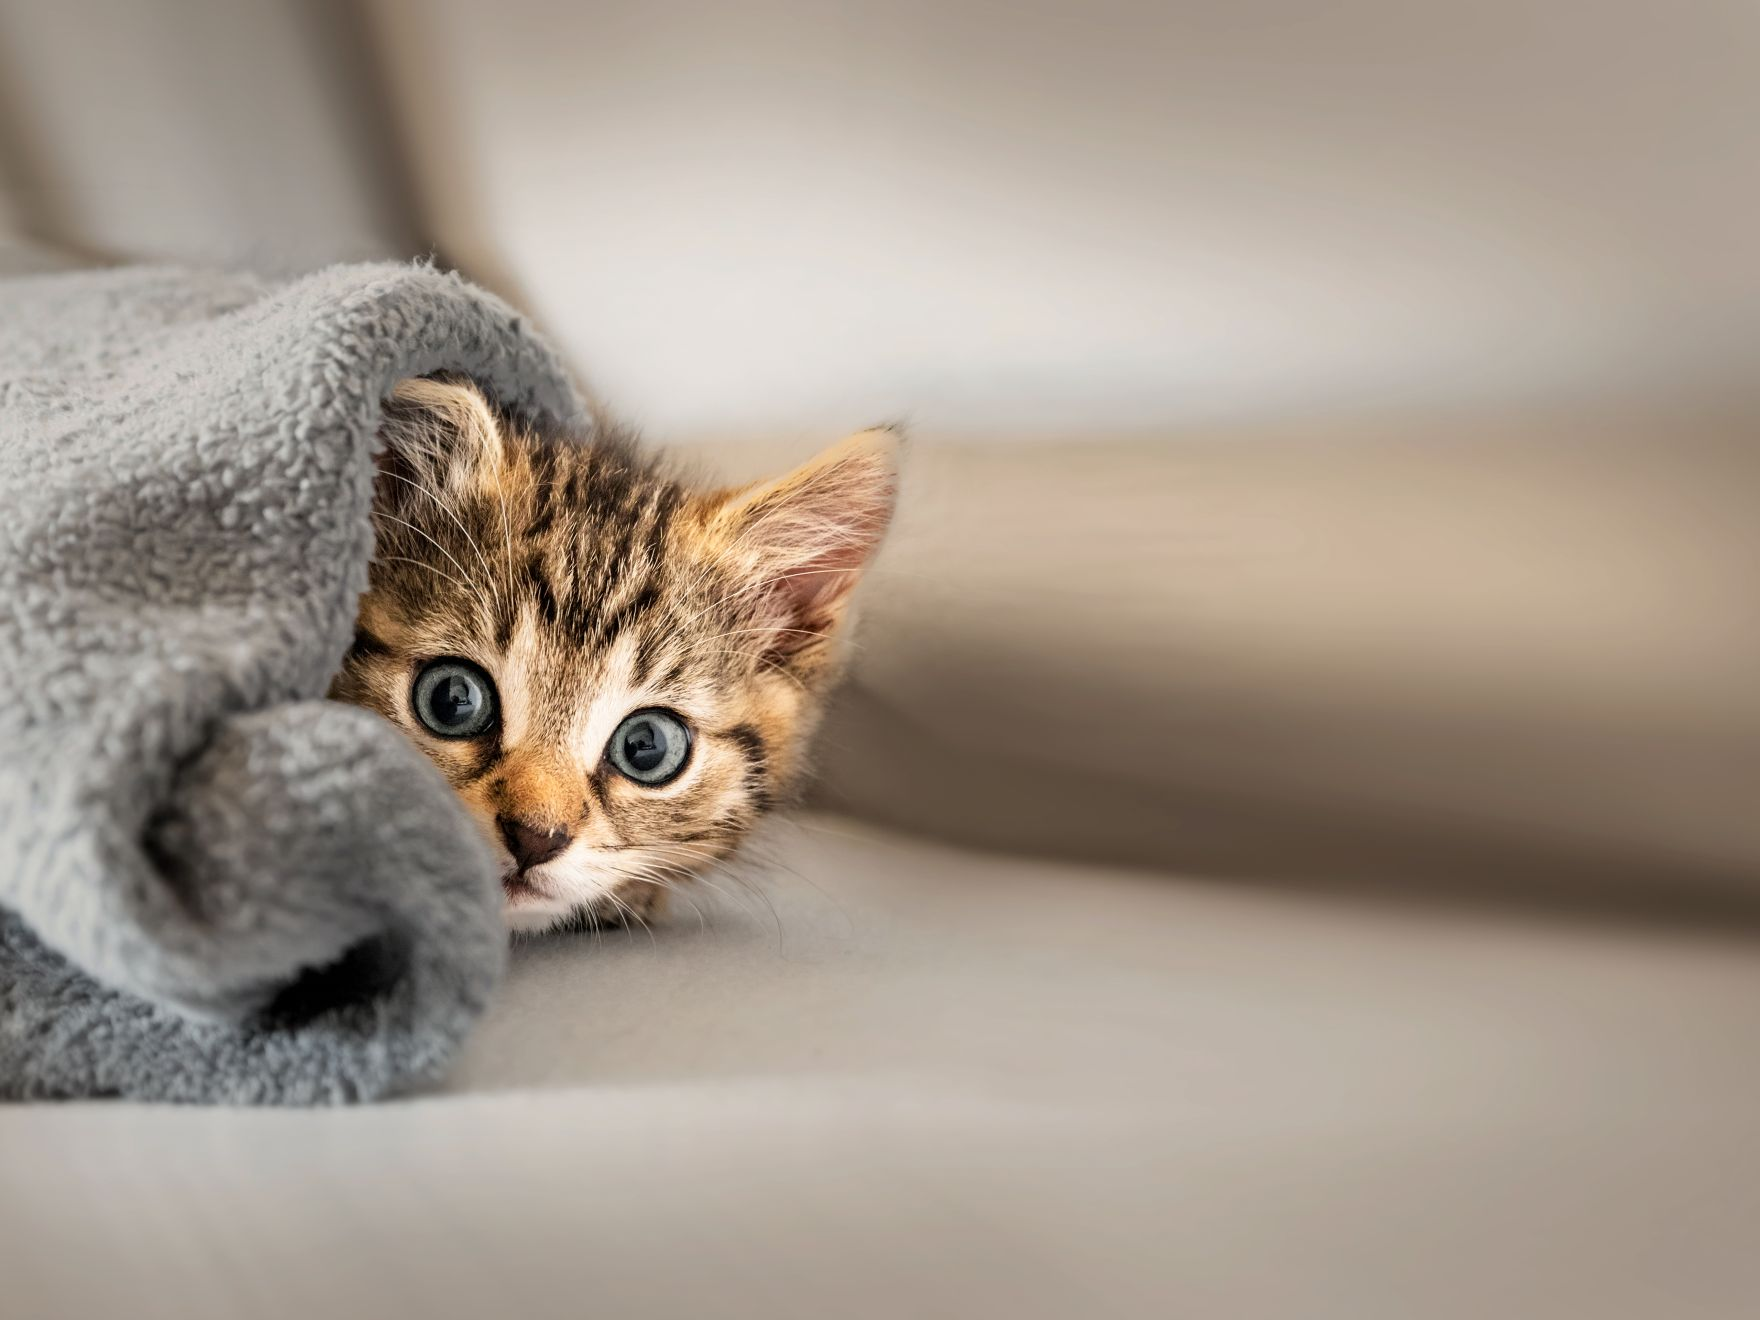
(616, 672)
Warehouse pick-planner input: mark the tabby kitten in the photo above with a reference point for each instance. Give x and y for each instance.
(617, 672)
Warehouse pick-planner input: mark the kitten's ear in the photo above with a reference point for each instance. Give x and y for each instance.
(436, 433)
(803, 540)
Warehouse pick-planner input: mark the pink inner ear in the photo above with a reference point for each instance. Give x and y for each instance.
(810, 537)
(803, 598)
(822, 580)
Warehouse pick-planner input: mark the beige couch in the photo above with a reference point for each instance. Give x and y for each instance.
(1421, 645)
(912, 1081)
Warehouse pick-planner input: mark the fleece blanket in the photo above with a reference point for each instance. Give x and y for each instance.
(216, 886)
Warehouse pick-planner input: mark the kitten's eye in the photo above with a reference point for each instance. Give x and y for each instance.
(454, 699)
(650, 747)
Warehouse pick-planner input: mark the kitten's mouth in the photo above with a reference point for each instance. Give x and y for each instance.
(518, 887)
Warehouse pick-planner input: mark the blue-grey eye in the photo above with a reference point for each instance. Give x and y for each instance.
(454, 699)
(650, 747)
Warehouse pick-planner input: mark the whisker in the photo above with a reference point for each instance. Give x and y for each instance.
(471, 541)
(421, 563)
(426, 537)
(775, 916)
(759, 584)
(630, 914)
(758, 658)
(507, 533)
(739, 632)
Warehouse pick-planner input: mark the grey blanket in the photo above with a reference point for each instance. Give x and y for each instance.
(215, 885)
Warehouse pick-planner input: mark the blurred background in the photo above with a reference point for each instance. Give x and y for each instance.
(1334, 427)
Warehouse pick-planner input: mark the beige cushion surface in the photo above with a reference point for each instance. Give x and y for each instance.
(1324, 647)
(885, 1078)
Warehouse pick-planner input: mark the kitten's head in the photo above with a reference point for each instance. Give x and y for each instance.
(616, 672)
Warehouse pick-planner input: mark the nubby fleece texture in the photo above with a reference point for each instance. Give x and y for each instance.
(215, 885)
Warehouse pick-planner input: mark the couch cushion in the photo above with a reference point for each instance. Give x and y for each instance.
(895, 1079)
(1423, 645)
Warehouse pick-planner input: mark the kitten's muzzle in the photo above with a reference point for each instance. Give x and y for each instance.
(529, 845)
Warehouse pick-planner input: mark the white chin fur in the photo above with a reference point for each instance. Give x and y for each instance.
(534, 918)
(561, 890)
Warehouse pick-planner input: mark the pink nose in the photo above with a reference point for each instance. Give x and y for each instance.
(531, 847)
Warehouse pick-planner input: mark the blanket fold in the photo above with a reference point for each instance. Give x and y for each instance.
(215, 885)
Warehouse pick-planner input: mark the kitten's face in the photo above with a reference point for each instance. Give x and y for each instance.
(616, 673)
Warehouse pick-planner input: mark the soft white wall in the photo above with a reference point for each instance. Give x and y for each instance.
(1026, 217)
(218, 132)
(1050, 215)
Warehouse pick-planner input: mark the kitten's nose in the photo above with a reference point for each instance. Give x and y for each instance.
(531, 847)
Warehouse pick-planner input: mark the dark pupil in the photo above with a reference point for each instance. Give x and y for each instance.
(454, 700)
(644, 745)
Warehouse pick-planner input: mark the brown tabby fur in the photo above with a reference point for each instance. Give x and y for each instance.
(590, 584)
